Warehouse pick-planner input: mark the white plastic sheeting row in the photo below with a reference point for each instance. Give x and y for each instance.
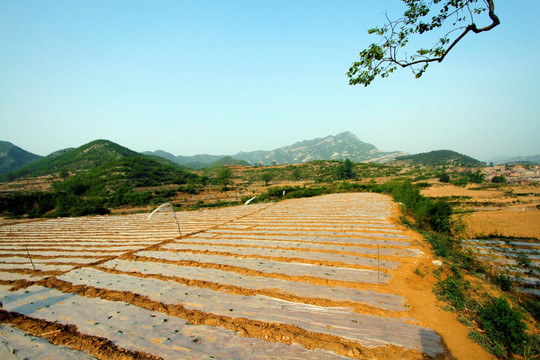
(381, 300)
(138, 329)
(18, 345)
(319, 229)
(276, 267)
(368, 330)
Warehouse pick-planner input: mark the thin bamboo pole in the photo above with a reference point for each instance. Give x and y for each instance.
(378, 261)
(31, 262)
(175, 218)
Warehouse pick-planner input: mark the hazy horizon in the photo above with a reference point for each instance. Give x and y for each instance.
(219, 77)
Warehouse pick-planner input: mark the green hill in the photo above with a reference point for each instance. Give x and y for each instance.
(134, 180)
(135, 171)
(227, 160)
(13, 158)
(441, 157)
(85, 157)
(97, 176)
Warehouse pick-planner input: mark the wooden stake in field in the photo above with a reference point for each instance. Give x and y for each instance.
(31, 262)
(166, 207)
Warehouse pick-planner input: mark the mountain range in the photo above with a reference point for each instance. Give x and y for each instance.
(16, 162)
(341, 146)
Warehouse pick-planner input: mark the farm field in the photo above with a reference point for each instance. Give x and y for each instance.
(329, 277)
(503, 227)
(510, 211)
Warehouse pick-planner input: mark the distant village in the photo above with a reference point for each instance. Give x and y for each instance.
(514, 174)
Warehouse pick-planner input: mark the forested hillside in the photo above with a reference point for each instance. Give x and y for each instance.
(441, 157)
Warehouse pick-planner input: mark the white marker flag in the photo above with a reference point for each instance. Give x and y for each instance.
(247, 202)
(163, 207)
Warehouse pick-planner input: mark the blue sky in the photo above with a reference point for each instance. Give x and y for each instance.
(220, 77)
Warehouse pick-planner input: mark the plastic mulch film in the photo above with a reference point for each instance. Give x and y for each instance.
(381, 300)
(17, 344)
(382, 250)
(270, 266)
(138, 329)
(368, 330)
(291, 254)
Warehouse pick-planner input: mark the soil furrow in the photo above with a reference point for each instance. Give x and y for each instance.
(68, 335)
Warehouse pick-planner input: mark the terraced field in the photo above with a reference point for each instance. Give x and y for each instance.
(312, 278)
(520, 258)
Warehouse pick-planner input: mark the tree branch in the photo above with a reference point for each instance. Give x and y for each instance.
(472, 27)
(395, 35)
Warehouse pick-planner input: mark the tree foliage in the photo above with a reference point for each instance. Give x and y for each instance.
(345, 170)
(499, 179)
(444, 178)
(224, 176)
(454, 19)
(267, 177)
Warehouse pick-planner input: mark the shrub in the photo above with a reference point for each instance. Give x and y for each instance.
(503, 281)
(188, 189)
(428, 214)
(350, 187)
(532, 305)
(34, 204)
(476, 177)
(224, 176)
(406, 193)
(439, 216)
(504, 324)
(290, 192)
(444, 178)
(443, 245)
(499, 179)
(462, 181)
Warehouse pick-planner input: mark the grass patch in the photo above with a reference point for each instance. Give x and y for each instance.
(452, 289)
